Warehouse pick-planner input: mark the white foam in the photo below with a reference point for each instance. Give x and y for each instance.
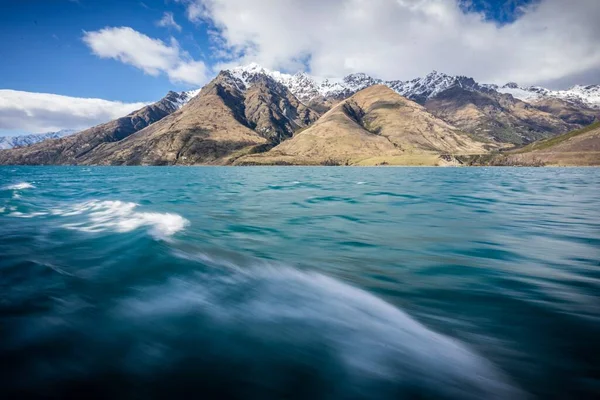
(19, 186)
(2, 209)
(18, 214)
(371, 339)
(119, 216)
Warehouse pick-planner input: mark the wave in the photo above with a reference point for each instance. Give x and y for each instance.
(19, 186)
(121, 216)
(299, 319)
(18, 214)
(264, 331)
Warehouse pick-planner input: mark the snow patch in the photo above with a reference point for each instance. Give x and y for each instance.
(306, 87)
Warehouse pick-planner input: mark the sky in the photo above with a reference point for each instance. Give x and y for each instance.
(77, 63)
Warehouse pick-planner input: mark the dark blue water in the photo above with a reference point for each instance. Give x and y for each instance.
(299, 282)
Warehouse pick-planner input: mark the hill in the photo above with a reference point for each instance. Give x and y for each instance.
(74, 148)
(498, 117)
(577, 148)
(374, 126)
(227, 119)
(227, 116)
(11, 142)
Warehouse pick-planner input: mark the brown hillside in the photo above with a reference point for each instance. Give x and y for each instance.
(376, 125)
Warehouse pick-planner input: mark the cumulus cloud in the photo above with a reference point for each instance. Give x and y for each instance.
(153, 56)
(403, 39)
(168, 21)
(43, 112)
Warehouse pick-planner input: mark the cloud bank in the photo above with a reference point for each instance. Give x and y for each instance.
(152, 56)
(403, 39)
(43, 112)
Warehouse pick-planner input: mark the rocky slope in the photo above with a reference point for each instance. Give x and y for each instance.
(310, 89)
(374, 126)
(495, 116)
(578, 148)
(570, 112)
(75, 148)
(10, 142)
(228, 118)
(587, 96)
(508, 116)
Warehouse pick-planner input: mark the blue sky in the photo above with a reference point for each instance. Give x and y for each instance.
(42, 39)
(118, 51)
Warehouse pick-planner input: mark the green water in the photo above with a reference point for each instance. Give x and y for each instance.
(300, 282)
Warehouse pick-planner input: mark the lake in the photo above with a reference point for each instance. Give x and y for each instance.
(300, 282)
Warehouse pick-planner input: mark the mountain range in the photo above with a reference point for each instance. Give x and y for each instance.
(307, 87)
(9, 142)
(250, 115)
(502, 114)
(577, 148)
(374, 126)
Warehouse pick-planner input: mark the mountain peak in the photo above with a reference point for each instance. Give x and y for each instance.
(252, 67)
(511, 85)
(306, 87)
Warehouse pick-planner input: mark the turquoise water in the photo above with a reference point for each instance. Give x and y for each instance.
(300, 282)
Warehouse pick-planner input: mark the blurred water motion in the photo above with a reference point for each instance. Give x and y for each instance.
(299, 282)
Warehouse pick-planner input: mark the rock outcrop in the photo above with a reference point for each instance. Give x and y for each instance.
(375, 126)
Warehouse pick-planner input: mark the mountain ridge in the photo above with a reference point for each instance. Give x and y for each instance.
(248, 110)
(70, 149)
(11, 142)
(502, 117)
(225, 118)
(580, 147)
(374, 126)
(307, 87)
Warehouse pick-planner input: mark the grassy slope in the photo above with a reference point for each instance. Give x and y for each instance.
(548, 143)
(576, 148)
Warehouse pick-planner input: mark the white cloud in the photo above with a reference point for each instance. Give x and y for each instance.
(185, 70)
(43, 112)
(168, 21)
(152, 56)
(403, 39)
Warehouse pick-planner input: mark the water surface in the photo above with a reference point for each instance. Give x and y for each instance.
(300, 282)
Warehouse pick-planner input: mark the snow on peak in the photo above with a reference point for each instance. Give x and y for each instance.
(587, 95)
(180, 99)
(300, 84)
(9, 142)
(306, 87)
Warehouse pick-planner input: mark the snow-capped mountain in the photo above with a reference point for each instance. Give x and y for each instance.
(180, 99)
(306, 87)
(586, 95)
(9, 142)
(172, 102)
(421, 89)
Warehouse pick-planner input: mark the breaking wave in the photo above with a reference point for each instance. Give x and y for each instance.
(260, 332)
(119, 216)
(19, 186)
